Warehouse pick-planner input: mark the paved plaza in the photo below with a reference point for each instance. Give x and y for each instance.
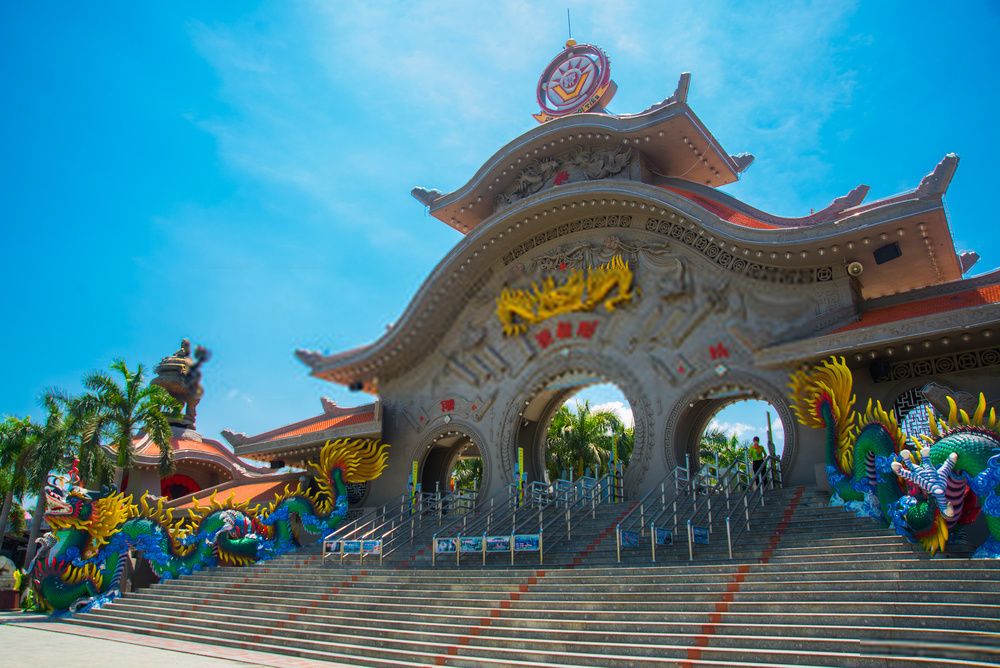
(50, 643)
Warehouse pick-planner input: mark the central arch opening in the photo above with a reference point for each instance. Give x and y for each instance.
(724, 425)
(453, 462)
(579, 424)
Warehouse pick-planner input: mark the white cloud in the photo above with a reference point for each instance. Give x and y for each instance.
(237, 395)
(619, 408)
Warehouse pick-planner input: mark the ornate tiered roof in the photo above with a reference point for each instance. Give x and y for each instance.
(300, 439)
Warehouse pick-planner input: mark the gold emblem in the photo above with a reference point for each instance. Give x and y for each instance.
(609, 283)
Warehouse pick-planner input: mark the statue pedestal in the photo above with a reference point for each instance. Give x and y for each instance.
(10, 600)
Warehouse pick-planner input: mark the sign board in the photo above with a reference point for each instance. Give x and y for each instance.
(498, 543)
(332, 546)
(351, 546)
(445, 545)
(527, 542)
(700, 535)
(630, 539)
(664, 536)
(371, 546)
(472, 544)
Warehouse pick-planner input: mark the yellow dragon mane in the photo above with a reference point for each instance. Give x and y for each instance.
(830, 382)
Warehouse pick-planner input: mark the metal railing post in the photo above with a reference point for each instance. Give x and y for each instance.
(618, 542)
(652, 534)
(729, 538)
(690, 541)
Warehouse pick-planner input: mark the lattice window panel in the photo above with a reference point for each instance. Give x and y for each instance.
(910, 409)
(356, 492)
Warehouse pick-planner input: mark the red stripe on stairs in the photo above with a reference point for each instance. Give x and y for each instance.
(733, 587)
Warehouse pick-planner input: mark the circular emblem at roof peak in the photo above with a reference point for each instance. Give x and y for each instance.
(576, 81)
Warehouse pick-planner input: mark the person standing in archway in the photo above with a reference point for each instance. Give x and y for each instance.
(757, 457)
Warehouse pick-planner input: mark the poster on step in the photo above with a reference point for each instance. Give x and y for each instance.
(445, 545)
(371, 546)
(630, 538)
(664, 536)
(498, 543)
(472, 544)
(351, 546)
(332, 546)
(700, 535)
(527, 542)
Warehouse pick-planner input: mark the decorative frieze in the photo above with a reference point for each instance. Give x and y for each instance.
(942, 364)
(718, 254)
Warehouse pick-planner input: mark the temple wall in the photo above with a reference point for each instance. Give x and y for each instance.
(689, 333)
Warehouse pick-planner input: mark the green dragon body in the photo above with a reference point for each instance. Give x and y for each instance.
(923, 489)
(80, 562)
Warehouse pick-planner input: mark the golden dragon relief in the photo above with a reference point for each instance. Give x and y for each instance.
(609, 283)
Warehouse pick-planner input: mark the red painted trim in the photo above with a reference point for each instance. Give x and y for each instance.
(178, 479)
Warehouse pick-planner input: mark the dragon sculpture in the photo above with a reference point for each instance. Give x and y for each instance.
(79, 563)
(925, 487)
(609, 284)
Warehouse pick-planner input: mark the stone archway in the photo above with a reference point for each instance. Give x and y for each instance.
(442, 447)
(548, 386)
(692, 413)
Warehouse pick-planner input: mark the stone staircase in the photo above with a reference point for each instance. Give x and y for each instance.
(810, 586)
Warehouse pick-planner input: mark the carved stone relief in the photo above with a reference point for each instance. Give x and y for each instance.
(583, 163)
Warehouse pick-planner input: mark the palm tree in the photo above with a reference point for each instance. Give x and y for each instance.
(53, 446)
(17, 438)
(468, 473)
(580, 439)
(118, 414)
(715, 442)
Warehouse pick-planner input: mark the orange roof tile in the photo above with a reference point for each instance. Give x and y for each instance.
(148, 448)
(724, 212)
(989, 294)
(329, 423)
(246, 492)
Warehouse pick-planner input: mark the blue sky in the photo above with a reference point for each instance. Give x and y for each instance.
(239, 172)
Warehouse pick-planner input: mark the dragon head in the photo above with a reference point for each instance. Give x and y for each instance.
(98, 514)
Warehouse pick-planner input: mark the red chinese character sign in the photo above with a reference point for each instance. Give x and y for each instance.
(576, 81)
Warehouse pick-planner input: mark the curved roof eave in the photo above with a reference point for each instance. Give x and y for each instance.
(552, 135)
(470, 262)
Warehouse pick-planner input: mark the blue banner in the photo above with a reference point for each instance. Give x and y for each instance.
(527, 543)
(445, 545)
(664, 536)
(630, 539)
(498, 544)
(700, 535)
(371, 546)
(473, 544)
(352, 546)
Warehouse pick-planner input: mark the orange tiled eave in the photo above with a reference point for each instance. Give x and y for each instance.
(240, 493)
(989, 294)
(724, 212)
(323, 425)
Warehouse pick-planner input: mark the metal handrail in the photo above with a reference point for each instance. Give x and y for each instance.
(674, 474)
(682, 484)
(757, 493)
(482, 515)
(686, 503)
(594, 498)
